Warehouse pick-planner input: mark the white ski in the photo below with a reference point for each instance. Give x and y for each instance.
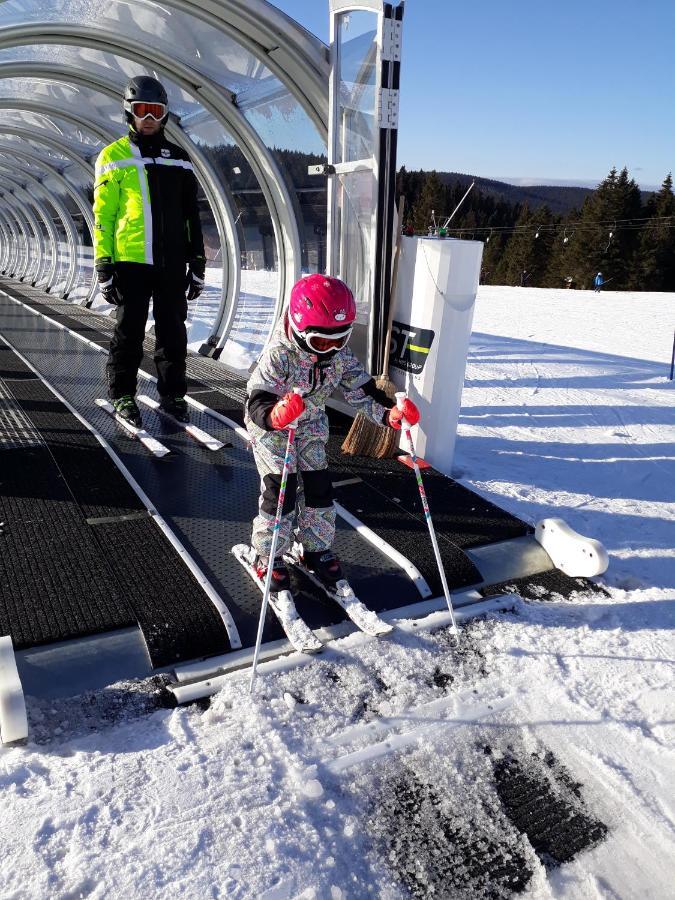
(297, 630)
(201, 436)
(365, 619)
(152, 444)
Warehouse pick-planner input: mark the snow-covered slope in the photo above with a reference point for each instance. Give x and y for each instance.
(269, 797)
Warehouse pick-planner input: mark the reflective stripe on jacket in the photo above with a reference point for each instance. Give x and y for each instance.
(145, 203)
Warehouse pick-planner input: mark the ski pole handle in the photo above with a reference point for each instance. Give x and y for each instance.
(294, 424)
(401, 397)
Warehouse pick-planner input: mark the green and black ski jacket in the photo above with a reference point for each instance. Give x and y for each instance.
(145, 204)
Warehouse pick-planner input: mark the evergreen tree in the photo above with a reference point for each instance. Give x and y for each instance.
(656, 256)
(604, 245)
(564, 246)
(526, 257)
(432, 197)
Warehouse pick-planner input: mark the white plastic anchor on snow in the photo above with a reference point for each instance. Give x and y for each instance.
(13, 719)
(571, 552)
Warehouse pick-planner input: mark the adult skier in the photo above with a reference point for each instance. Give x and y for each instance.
(147, 244)
(598, 282)
(307, 351)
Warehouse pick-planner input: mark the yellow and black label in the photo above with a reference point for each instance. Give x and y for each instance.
(410, 347)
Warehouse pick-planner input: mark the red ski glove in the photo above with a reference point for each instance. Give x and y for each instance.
(409, 412)
(286, 411)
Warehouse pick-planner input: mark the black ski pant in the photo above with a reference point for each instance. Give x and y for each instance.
(137, 283)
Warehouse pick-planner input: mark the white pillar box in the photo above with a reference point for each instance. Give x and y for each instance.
(433, 311)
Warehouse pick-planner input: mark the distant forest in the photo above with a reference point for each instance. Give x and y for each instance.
(541, 236)
(618, 230)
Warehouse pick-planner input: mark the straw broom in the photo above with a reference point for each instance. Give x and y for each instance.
(365, 438)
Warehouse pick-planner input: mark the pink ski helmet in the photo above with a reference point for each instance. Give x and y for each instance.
(321, 314)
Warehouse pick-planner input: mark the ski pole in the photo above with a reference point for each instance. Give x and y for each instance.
(400, 397)
(275, 540)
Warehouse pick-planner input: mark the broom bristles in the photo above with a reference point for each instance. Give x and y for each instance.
(365, 438)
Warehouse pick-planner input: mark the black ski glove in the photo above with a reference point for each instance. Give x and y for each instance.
(194, 283)
(107, 282)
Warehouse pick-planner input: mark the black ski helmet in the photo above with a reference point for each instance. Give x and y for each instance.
(146, 89)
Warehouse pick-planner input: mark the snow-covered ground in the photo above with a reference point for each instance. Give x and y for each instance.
(567, 410)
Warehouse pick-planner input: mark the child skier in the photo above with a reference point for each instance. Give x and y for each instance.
(307, 351)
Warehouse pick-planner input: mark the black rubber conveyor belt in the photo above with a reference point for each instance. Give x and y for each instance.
(207, 499)
(80, 554)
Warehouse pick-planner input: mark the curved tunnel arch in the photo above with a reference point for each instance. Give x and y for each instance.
(64, 215)
(215, 190)
(50, 246)
(33, 265)
(214, 98)
(74, 158)
(14, 262)
(60, 214)
(283, 51)
(47, 252)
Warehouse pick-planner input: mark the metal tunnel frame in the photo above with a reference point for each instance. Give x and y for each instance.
(49, 223)
(214, 98)
(33, 266)
(66, 218)
(46, 217)
(215, 190)
(299, 60)
(79, 198)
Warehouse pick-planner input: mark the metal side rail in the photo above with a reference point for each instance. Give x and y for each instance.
(199, 680)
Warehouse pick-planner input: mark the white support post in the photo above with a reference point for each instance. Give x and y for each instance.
(13, 719)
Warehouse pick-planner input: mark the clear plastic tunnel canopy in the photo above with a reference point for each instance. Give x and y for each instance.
(248, 94)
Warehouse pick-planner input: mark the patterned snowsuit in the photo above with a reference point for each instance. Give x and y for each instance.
(282, 367)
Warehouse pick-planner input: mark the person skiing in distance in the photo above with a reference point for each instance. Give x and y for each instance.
(307, 351)
(598, 282)
(147, 243)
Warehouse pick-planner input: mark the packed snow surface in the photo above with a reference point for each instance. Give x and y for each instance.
(567, 411)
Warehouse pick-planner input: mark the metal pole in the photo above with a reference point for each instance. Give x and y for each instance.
(273, 549)
(672, 359)
(400, 397)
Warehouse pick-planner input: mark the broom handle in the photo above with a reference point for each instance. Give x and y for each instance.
(400, 397)
(394, 279)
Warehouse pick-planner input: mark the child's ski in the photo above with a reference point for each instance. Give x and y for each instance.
(365, 619)
(297, 630)
(149, 442)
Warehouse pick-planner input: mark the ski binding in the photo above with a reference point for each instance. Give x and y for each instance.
(297, 630)
(149, 442)
(364, 618)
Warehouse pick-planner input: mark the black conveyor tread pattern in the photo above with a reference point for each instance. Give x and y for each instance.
(207, 499)
(64, 573)
(459, 514)
(54, 584)
(551, 585)
(543, 802)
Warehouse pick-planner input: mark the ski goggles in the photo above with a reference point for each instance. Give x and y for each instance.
(142, 110)
(320, 342)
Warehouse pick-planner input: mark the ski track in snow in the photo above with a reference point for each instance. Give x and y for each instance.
(243, 798)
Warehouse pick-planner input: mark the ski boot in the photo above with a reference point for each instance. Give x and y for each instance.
(125, 407)
(325, 565)
(281, 580)
(176, 407)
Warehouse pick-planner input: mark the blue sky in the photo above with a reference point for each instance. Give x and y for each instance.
(540, 91)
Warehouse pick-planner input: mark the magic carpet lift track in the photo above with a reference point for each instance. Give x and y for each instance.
(205, 671)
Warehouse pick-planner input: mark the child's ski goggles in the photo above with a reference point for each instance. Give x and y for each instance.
(142, 110)
(319, 342)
